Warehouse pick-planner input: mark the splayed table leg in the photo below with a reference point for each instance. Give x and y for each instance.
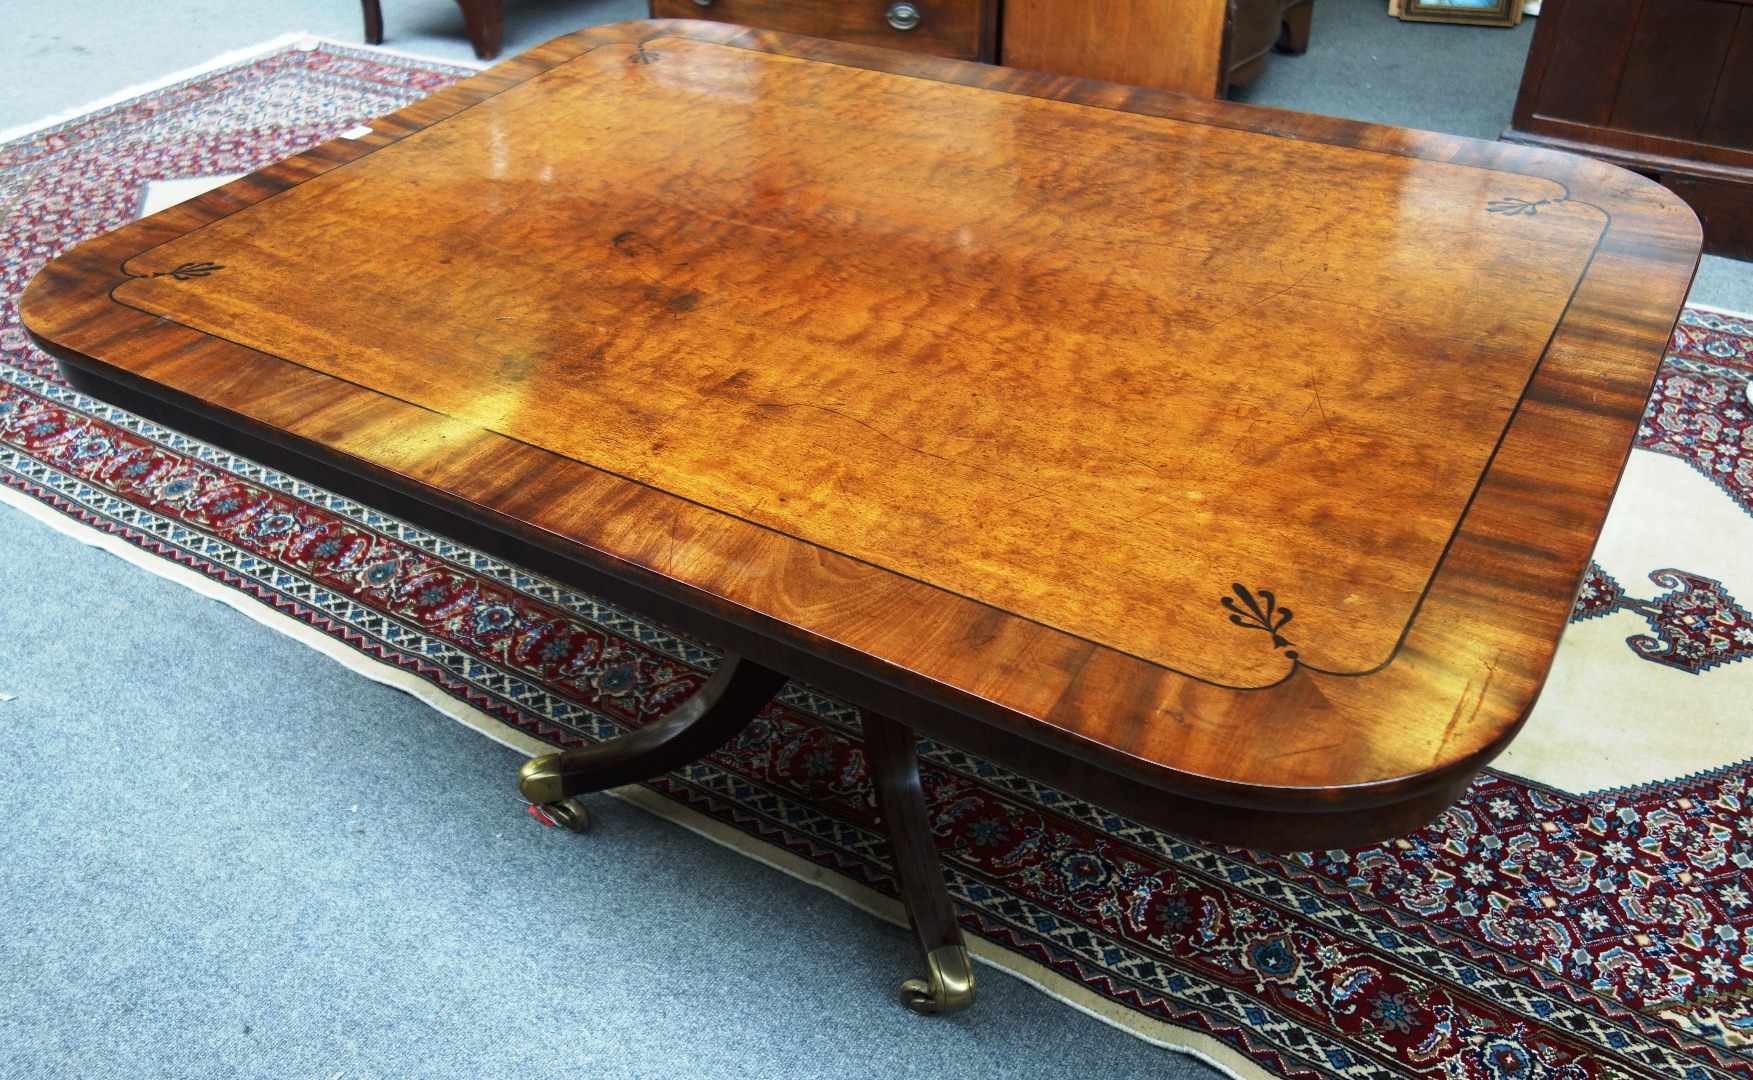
(700, 725)
(893, 753)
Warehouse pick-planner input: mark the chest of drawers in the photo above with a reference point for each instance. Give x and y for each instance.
(963, 29)
(1188, 46)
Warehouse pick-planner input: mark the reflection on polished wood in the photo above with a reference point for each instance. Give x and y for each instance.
(964, 352)
(1236, 465)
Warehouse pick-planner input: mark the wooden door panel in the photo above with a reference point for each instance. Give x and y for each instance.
(1587, 60)
(1731, 113)
(1675, 63)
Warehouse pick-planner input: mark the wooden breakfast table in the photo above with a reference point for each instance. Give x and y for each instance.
(1232, 468)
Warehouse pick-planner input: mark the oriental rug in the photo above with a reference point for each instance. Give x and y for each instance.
(1585, 912)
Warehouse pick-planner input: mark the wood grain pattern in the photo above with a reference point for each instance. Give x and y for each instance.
(1175, 45)
(923, 349)
(571, 330)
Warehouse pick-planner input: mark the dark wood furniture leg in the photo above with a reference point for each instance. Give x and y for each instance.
(486, 22)
(373, 22)
(1294, 37)
(695, 728)
(892, 751)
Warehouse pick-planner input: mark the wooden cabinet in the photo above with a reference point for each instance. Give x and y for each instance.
(1663, 87)
(1188, 46)
(1178, 45)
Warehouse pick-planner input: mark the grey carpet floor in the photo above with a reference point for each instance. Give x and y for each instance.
(224, 855)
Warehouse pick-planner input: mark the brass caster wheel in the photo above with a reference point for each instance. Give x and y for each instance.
(539, 780)
(949, 987)
(569, 814)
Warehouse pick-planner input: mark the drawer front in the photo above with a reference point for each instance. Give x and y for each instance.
(958, 28)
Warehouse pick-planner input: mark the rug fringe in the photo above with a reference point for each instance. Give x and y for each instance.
(385, 50)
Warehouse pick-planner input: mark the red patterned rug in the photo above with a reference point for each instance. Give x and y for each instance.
(1564, 928)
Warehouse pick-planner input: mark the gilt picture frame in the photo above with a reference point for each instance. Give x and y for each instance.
(1477, 12)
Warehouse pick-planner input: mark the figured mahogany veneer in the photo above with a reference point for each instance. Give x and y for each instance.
(1235, 468)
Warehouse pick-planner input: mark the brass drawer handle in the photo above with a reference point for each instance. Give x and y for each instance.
(901, 16)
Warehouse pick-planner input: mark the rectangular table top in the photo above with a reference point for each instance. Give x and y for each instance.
(1254, 452)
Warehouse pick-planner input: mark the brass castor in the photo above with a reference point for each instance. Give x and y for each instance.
(569, 814)
(950, 986)
(539, 780)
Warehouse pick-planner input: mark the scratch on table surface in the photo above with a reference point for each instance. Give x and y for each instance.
(1158, 508)
(1461, 705)
(1325, 419)
(937, 331)
(745, 224)
(1249, 430)
(1011, 505)
(670, 559)
(1264, 299)
(1303, 750)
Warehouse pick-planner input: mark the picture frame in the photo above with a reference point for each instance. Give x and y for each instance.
(1476, 12)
